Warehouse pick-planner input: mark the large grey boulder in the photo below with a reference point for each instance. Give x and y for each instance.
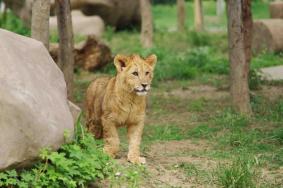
(82, 25)
(117, 13)
(34, 111)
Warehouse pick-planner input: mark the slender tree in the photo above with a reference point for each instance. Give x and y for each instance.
(220, 7)
(181, 10)
(66, 43)
(40, 21)
(239, 39)
(198, 15)
(147, 24)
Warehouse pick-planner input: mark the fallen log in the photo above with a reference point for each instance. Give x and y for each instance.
(90, 55)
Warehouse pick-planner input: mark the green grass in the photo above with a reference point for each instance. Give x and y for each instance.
(195, 172)
(163, 132)
(239, 174)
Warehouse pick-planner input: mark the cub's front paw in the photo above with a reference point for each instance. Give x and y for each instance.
(137, 160)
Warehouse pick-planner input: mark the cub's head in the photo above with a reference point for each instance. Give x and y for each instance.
(135, 73)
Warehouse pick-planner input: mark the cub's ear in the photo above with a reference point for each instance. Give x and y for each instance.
(151, 60)
(120, 62)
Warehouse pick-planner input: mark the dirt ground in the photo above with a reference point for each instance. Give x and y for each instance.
(186, 162)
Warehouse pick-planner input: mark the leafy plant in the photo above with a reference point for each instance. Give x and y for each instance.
(73, 165)
(255, 79)
(13, 23)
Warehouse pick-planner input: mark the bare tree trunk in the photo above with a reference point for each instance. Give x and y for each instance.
(181, 10)
(40, 21)
(239, 39)
(248, 27)
(220, 7)
(147, 25)
(66, 43)
(198, 15)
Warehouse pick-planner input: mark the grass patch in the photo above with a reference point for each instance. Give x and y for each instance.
(267, 110)
(163, 132)
(231, 120)
(240, 173)
(202, 131)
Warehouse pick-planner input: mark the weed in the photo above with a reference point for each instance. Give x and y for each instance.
(265, 109)
(127, 176)
(255, 79)
(239, 139)
(197, 105)
(277, 135)
(240, 174)
(189, 168)
(231, 120)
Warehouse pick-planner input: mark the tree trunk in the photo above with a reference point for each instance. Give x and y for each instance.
(40, 21)
(239, 39)
(248, 27)
(220, 7)
(147, 25)
(66, 43)
(181, 10)
(198, 15)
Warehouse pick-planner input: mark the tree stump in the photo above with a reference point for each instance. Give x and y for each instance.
(268, 35)
(90, 55)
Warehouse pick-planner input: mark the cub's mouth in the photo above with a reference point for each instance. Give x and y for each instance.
(141, 92)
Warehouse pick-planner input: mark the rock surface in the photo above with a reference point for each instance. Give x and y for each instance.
(272, 73)
(267, 35)
(82, 25)
(117, 13)
(34, 111)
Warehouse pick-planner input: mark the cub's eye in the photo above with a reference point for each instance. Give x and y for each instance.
(135, 73)
(146, 73)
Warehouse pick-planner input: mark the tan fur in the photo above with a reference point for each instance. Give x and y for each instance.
(121, 101)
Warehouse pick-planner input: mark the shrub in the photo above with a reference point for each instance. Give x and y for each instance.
(199, 39)
(255, 80)
(13, 23)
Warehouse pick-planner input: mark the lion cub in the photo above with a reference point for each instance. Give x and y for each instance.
(121, 101)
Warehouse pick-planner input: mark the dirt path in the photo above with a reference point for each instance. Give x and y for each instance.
(166, 161)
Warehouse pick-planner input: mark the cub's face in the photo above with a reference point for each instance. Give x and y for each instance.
(135, 73)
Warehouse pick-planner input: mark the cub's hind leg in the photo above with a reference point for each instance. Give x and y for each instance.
(95, 128)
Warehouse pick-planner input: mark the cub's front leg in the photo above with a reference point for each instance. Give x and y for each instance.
(110, 137)
(134, 136)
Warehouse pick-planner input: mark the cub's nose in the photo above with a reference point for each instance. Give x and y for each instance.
(144, 85)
